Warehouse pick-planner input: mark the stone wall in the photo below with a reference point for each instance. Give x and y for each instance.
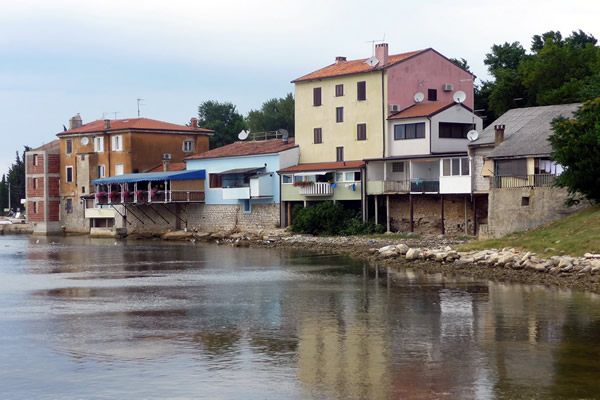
(427, 214)
(514, 210)
(204, 218)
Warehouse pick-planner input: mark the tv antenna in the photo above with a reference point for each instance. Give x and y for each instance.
(116, 112)
(243, 135)
(419, 97)
(459, 97)
(472, 135)
(139, 103)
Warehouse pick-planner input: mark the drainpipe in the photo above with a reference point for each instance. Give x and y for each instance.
(383, 110)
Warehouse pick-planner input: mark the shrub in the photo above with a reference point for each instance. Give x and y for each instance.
(328, 218)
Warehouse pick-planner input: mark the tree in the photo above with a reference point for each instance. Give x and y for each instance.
(223, 119)
(3, 194)
(16, 181)
(462, 63)
(274, 114)
(576, 145)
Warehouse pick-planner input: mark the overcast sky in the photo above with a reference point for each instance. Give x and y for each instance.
(59, 58)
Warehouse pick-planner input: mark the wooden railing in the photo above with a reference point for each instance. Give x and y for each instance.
(187, 196)
(175, 196)
(525, 181)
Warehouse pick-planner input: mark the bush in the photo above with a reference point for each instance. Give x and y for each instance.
(328, 218)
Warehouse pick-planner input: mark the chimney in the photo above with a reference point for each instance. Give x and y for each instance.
(107, 124)
(75, 122)
(166, 164)
(499, 134)
(340, 59)
(194, 123)
(381, 53)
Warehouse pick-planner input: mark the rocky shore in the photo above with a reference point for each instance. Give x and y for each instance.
(430, 254)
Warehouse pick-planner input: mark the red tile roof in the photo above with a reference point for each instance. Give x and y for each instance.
(424, 110)
(355, 67)
(133, 124)
(325, 166)
(52, 146)
(172, 167)
(247, 149)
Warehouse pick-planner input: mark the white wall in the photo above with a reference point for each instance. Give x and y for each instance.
(457, 114)
(407, 147)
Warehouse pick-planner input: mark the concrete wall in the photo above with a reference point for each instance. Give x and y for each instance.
(509, 212)
(480, 169)
(43, 199)
(206, 218)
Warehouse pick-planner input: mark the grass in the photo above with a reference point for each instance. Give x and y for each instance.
(574, 235)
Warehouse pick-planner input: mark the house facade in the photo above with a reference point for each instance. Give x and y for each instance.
(106, 148)
(342, 115)
(514, 171)
(425, 181)
(42, 176)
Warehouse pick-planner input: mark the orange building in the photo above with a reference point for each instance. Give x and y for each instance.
(106, 148)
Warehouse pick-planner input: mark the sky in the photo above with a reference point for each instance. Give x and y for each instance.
(97, 57)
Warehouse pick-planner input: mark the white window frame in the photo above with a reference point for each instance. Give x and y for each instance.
(117, 172)
(344, 176)
(117, 143)
(67, 168)
(460, 164)
(101, 168)
(291, 182)
(99, 144)
(191, 145)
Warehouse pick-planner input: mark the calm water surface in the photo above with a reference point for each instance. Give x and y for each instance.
(94, 319)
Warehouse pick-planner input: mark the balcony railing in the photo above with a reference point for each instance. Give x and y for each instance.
(317, 189)
(423, 186)
(186, 196)
(525, 181)
(169, 196)
(396, 186)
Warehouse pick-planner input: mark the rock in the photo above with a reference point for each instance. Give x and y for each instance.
(554, 270)
(585, 270)
(448, 248)
(591, 255)
(413, 254)
(388, 254)
(373, 251)
(402, 248)
(387, 248)
(540, 268)
(595, 269)
(480, 256)
(565, 262)
(505, 259)
(218, 235)
(440, 256)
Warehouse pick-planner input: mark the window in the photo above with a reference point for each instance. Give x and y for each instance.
(455, 166)
(117, 143)
(35, 183)
(352, 176)
(287, 179)
(339, 154)
(361, 91)
(516, 167)
(525, 201)
(69, 171)
(69, 206)
(35, 159)
(317, 96)
(35, 210)
(339, 90)
(188, 145)
(119, 169)
(247, 206)
(83, 189)
(318, 136)
(432, 94)
(69, 146)
(450, 130)
(100, 171)
(99, 144)
(398, 167)
(361, 132)
(409, 131)
(339, 114)
(215, 181)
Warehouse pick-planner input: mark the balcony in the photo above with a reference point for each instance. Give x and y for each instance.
(236, 193)
(317, 189)
(525, 181)
(424, 186)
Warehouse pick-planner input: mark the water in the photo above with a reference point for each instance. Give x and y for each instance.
(97, 319)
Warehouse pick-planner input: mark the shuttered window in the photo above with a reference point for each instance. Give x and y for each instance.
(361, 90)
(361, 132)
(339, 90)
(318, 136)
(317, 96)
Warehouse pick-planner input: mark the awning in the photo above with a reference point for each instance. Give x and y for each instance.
(239, 171)
(310, 173)
(152, 176)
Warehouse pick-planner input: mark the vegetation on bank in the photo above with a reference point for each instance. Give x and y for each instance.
(327, 218)
(574, 235)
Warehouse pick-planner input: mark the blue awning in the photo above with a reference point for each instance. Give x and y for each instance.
(152, 176)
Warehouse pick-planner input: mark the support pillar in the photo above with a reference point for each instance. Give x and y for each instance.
(466, 217)
(443, 227)
(387, 211)
(474, 215)
(412, 221)
(376, 211)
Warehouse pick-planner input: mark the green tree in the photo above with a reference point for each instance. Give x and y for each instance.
(576, 145)
(223, 119)
(16, 180)
(462, 63)
(3, 194)
(274, 114)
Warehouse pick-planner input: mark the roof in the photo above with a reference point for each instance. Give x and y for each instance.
(356, 67)
(240, 171)
(424, 110)
(526, 130)
(325, 166)
(133, 124)
(434, 156)
(51, 146)
(247, 149)
(172, 167)
(153, 176)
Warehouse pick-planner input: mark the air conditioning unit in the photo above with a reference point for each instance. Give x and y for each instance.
(448, 87)
(394, 107)
(167, 156)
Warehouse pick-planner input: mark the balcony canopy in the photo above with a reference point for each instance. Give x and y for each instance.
(310, 173)
(152, 176)
(240, 171)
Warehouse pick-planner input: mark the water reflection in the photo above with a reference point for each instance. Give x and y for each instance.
(222, 322)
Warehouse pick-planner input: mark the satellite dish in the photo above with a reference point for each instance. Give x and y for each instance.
(371, 62)
(459, 97)
(419, 97)
(85, 141)
(472, 135)
(243, 135)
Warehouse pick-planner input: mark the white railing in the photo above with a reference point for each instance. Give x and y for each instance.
(317, 189)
